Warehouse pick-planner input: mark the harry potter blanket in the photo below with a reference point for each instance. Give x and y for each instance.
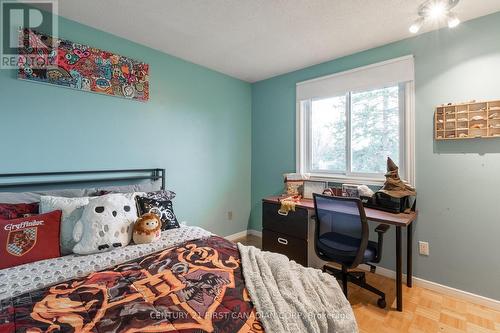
(196, 286)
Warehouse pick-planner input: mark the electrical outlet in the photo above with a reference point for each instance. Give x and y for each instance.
(423, 248)
(230, 215)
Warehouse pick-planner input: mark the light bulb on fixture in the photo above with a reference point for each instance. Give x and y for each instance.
(436, 10)
(415, 27)
(453, 21)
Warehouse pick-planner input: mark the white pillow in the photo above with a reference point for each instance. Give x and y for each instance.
(106, 223)
(72, 209)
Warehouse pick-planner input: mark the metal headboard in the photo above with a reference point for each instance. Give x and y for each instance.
(143, 174)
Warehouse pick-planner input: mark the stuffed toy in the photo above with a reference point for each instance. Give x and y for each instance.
(106, 223)
(288, 204)
(147, 229)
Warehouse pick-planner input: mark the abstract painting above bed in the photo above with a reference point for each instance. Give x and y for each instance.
(45, 59)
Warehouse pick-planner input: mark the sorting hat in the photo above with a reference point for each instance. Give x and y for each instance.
(393, 185)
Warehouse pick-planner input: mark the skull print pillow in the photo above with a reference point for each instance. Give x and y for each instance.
(161, 207)
(106, 223)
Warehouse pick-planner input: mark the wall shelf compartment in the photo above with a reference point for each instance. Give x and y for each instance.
(467, 121)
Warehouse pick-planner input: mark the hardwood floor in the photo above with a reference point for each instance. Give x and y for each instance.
(425, 311)
(250, 240)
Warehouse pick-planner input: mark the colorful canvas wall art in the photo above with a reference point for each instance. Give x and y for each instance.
(65, 63)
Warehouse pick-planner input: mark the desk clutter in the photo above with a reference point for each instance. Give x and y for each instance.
(394, 196)
(467, 120)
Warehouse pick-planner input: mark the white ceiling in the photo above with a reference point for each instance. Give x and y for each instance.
(257, 39)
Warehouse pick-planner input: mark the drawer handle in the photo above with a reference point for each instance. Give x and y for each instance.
(282, 213)
(282, 241)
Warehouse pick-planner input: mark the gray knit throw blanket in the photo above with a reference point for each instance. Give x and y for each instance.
(290, 298)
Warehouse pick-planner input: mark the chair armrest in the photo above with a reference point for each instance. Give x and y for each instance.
(382, 228)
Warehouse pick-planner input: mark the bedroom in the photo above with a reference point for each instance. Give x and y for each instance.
(222, 107)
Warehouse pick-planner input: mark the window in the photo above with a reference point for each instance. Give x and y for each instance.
(349, 135)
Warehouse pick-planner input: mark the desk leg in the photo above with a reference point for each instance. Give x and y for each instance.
(399, 271)
(409, 258)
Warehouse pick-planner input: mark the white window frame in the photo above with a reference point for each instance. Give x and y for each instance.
(407, 137)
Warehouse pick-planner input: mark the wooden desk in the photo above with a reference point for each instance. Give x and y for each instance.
(398, 220)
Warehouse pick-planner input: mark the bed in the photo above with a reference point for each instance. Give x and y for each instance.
(189, 281)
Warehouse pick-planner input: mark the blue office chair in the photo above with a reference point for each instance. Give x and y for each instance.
(342, 237)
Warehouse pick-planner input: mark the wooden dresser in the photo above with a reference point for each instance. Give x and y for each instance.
(285, 234)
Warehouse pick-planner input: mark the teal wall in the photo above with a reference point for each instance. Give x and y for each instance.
(457, 181)
(196, 125)
(207, 129)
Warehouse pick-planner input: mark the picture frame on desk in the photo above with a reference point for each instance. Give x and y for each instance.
(311, 187)
(350, 191)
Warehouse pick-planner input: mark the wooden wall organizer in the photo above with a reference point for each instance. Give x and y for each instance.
(467, 121)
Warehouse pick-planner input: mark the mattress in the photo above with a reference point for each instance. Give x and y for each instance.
(19, 279)
(193, 286)
(190, 281)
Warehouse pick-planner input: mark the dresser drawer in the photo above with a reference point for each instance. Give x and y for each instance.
(293, 248)
(294, 224)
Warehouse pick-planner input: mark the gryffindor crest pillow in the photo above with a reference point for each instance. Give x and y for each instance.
(106, 223)
(29, 239)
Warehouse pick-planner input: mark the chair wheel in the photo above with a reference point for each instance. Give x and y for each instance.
(381, 303)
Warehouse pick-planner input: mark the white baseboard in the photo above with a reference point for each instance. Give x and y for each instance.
(255, 233)
(243, 233)
(237, 235)
(442, 289)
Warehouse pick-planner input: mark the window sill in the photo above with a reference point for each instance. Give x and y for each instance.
(346, 179)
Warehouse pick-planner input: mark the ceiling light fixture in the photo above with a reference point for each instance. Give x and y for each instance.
(436, 11)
